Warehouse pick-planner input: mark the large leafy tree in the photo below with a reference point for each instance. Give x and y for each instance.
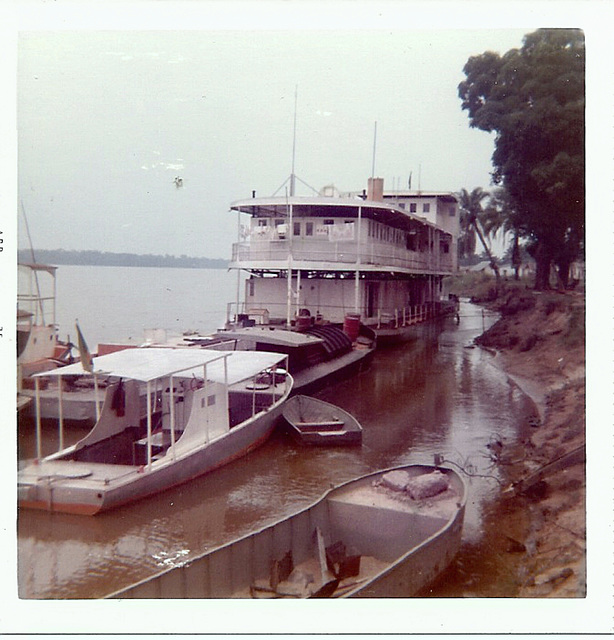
(533, 99)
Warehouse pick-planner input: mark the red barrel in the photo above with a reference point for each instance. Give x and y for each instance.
(302, 323)
(351, 326)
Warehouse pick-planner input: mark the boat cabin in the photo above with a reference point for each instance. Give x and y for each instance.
(164, 400)
(368, 254)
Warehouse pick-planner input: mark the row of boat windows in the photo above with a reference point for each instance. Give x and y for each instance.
(307, 229)
(375, 230)
(426, 208)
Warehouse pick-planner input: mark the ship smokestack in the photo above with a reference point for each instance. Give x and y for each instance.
(375, 189)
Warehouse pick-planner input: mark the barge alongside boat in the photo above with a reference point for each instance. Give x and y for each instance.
(386, 534)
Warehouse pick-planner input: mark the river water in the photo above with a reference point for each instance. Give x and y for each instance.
(434, 395)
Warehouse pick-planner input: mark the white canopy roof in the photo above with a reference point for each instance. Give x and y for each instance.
(266, 333)
(148, 364)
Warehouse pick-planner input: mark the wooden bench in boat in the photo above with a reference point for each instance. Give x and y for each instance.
(324, 425)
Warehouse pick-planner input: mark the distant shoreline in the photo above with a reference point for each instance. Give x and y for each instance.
(109, 259)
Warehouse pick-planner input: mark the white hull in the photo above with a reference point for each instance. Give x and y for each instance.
(87, 488)
(173, 415)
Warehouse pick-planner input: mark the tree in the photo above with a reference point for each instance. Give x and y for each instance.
(533, 99)
(471, 216)
(500, 215)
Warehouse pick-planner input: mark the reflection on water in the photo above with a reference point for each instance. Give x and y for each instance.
(431, 396)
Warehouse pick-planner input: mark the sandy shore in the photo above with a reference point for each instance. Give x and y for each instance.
(541, 519)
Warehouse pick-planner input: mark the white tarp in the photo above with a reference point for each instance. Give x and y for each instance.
(150, 363)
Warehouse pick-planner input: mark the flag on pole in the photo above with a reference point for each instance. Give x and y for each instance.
(86, 357)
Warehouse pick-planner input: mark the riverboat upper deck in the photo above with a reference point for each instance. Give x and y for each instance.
(333, 233)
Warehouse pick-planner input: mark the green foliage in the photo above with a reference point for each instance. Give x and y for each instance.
(533, 99)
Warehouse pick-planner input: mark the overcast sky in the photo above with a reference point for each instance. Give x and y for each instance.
(108, 119)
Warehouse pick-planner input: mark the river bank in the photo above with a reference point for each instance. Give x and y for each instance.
(541, 521)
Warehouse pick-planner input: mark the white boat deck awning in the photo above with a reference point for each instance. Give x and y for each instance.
(145, 365)
(270, 335)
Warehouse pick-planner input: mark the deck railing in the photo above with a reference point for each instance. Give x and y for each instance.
(369, 253)
(274, 312)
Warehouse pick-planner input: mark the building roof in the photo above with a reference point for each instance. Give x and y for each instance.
(447, 196)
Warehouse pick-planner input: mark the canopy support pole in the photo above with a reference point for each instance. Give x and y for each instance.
(289, 292)
(60, 415)
(238, 270)
(172, 403)
(298, 291)
(39, 454)
(96, 398)
(254, 394)
(148, 425)
(206, 393)
(357, 275)
(289, 295)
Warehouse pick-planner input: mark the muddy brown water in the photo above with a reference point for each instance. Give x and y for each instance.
(431, 396)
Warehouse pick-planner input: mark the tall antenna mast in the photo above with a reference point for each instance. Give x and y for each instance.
(38, 289)
(292, 177)
(374, 145)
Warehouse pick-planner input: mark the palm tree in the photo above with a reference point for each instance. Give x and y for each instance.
(499, 216)
(471, 223)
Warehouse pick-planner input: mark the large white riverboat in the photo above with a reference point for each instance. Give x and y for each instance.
(371, 258)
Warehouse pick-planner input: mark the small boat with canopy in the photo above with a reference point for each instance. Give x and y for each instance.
(168, 416)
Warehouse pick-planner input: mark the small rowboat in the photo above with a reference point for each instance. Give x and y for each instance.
(385, 534)
(315, 422)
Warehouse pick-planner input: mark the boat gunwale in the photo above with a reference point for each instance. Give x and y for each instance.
(350, 428)
(338, 488)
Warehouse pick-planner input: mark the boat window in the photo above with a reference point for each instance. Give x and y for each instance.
(452, 212)
(309, 228)
(329, 222)
(262, 222)
(413, 207)
(210, 400)
(297, 229)
(426, 207)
